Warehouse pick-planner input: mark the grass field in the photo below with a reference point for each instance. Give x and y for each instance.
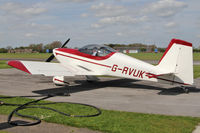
(157, 56)
(196, 71)
(25, 55)
(110, 121)
(3, 64)
(141, 56)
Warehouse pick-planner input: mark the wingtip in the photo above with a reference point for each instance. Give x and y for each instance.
(19, 65)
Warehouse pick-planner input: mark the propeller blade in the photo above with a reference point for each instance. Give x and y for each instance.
(52, 56)
(65, 43)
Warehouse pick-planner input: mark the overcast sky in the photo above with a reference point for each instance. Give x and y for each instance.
(23, 22)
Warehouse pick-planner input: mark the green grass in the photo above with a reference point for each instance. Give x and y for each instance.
(3, 132)
(3, 64)
(111, 121)
(141, 56)
(157, 56)
(147, 56)
(25, 55)
(196, 71)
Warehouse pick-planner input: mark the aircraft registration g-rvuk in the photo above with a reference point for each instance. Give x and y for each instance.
(175, 66)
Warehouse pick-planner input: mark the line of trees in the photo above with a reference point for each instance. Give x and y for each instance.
(129, 45)
(41, 48)
(139, 46)
(143, 47)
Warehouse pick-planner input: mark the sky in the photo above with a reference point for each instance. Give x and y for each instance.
(24, 22)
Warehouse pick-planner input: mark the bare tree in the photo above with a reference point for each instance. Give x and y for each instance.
(36, 47)
(9, 48)
(55, 44)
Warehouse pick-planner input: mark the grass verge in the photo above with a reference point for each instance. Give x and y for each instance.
(157, 56)
(3, 64)
(141, 56)
(196, 71)
(25, 55)
(110, 121)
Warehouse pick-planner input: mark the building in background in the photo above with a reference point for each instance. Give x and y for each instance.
(135, 49)
(128, 49)
(21, 51)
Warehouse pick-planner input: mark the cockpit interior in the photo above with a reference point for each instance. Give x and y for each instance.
(96, 50)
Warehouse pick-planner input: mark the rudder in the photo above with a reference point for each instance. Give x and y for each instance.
(178, 59)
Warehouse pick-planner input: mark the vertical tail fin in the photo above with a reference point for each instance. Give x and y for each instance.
(178, 59)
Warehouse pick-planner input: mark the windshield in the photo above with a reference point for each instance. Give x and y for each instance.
(96, 50)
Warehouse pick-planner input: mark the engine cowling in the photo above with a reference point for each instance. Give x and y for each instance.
(59, 81)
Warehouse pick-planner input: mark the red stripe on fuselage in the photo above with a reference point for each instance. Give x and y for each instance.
(83, 60)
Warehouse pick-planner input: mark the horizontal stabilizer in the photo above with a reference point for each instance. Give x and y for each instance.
(150, 75)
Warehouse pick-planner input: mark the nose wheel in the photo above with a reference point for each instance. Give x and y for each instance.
(185, 89)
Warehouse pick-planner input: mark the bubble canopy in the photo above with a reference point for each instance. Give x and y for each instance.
(97, 50)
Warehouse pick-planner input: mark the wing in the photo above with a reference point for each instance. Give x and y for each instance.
(49, 69)
(44, 68)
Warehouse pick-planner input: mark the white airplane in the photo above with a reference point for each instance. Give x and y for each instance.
(175, 66)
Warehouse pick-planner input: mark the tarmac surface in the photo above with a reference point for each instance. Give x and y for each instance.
(108, 93)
